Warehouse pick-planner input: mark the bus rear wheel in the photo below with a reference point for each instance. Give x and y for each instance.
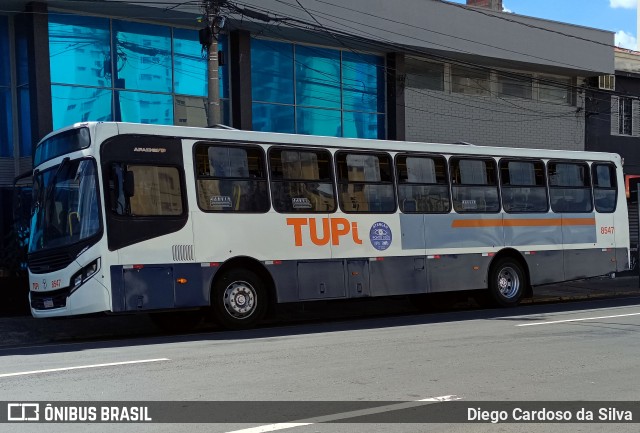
(239, 299)
(507, 282)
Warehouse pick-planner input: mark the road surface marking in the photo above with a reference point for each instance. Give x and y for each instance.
(80, 367)
(578, 320)
(345, 415)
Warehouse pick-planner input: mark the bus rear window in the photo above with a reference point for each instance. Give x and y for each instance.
(231, 178)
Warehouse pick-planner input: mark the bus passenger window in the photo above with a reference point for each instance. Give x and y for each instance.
(365, 182)
(569, 187)
(301, 181)
(524, 186)
(474, 185)
(231, 178)
(605, 189)
(422, 184)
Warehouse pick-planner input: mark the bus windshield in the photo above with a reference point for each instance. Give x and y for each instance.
(65, 205)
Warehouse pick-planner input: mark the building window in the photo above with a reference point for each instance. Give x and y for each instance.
(318, 91)
(624, 119)
(625, 116)
(554, 89)
(470, 81)
(516, 86)
(104, 69)
(424, 75)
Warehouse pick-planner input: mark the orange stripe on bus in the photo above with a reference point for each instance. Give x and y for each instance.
(525, 222)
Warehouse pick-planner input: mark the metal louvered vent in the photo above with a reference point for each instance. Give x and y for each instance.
(182, 253)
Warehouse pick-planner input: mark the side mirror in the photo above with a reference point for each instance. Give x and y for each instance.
(129, 184)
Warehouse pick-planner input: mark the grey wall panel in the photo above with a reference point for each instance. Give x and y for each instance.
(545, 266)
(588, 263)
(446, 231)
(321, 280)
(413, 233)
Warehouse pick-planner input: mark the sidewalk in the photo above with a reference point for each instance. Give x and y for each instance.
(25, 330)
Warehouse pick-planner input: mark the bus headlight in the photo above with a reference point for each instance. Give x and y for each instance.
(84, 274)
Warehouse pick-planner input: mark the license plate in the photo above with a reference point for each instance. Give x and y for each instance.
(48, 303)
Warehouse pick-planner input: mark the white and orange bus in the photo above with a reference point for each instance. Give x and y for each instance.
(130, 217)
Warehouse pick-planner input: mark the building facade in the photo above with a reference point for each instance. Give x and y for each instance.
(422, 70)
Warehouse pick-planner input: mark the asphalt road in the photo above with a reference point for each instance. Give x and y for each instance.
(573, 351)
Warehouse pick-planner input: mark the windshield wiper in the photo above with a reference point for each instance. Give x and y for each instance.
(52, 182)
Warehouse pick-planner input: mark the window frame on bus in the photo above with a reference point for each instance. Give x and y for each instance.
(272, 180)
(507, 187)
(453, 185)
(399, 184)
(339, 182)
(615, 188)
(588, 187)
(232, 145)
(181, 183)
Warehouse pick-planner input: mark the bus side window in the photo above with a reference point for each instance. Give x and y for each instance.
(422, 184)
(365, 182)
(569, 187)
(301, 180)
(231, 178)
(605, 190)
(475, 186)
(524, 186)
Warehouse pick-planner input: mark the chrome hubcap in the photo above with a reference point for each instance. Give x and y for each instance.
(508, 282)
(240, 299)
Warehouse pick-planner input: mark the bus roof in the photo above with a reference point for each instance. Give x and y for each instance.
(269, 138)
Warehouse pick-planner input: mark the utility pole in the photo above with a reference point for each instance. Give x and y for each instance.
(209, 41)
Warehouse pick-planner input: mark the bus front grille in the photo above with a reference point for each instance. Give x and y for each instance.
(49, 262)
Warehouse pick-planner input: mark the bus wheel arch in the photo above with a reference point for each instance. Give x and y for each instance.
(508, 278)
(241, 293)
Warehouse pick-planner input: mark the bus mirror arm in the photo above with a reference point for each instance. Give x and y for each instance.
(128, 184)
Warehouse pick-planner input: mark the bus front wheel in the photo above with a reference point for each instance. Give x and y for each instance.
(507, 282)
(239, 299)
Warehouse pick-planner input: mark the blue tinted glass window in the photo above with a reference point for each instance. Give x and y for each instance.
(363, 82)
(5, 76)
(6, 137)
(273, 118)
(190, 67)
(145, 107)
(272, 71)
(318, 77)
(24, 121)
(143, 56)
(71, 104)
(363, 125)
(80, 50)
(316, 121)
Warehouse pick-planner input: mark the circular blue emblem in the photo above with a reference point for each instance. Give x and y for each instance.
(380, 236)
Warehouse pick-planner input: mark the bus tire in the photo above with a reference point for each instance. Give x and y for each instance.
(239, 299)
(507, 282)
